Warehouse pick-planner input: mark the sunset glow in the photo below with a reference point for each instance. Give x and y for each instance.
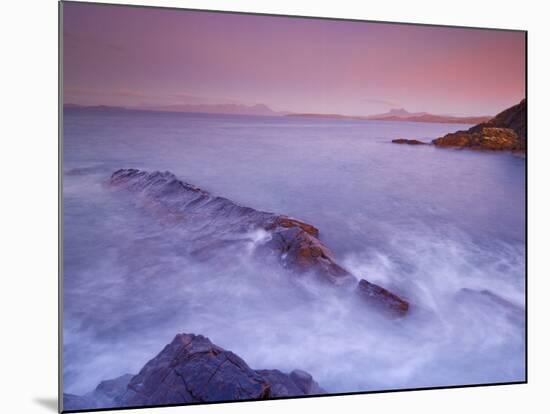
(164, 57)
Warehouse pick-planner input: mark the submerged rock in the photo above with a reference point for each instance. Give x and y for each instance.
(102, 397)
(192, 369)
(491, 303)
(408, 141)
(367, 291)
(506, 131)
(294, 243)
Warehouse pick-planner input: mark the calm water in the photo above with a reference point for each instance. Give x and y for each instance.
(423, 222)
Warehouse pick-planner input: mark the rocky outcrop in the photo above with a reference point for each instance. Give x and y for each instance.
(295, 244)
(192, 369)
(506, 131)
(486, 139)
(408, 141)
(514, 118)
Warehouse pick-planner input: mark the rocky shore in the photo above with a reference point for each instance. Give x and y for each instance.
(293, 243)
(507, 131)
(192, 369)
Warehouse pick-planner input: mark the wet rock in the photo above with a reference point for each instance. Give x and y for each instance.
(294, 384)
(304, 253)
(192, 369)
(408, 141)
(378, 296)
(294, 243)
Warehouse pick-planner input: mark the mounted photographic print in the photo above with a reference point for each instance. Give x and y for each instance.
(264, 206)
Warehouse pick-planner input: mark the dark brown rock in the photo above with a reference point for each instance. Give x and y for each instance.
(378, 296)
(456, 139)
(505, 132)
(288, 222)
(408, 141)
(486, 139)
(514, 118)
(500, 139)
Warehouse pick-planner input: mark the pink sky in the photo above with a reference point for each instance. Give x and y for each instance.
(135, 56)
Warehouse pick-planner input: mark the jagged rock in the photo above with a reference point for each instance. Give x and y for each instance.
(367, 291)
(506, 131)
(303, 252)
(295, 244)
(296, 383)
(408, 141)
(192, 369)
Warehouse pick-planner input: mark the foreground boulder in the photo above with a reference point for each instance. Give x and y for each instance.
(507, 131)
(295, 244)
(189, 370)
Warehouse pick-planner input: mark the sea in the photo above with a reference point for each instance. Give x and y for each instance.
(443, 228)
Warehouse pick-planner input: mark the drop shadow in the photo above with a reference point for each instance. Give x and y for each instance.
(49, 403)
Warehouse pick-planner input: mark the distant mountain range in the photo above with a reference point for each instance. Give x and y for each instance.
(235, 109)
(264, 110)
(405, 116)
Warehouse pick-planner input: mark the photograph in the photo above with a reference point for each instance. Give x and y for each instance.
(260, 206)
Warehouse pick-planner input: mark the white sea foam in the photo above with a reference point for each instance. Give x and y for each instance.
(445, 229)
